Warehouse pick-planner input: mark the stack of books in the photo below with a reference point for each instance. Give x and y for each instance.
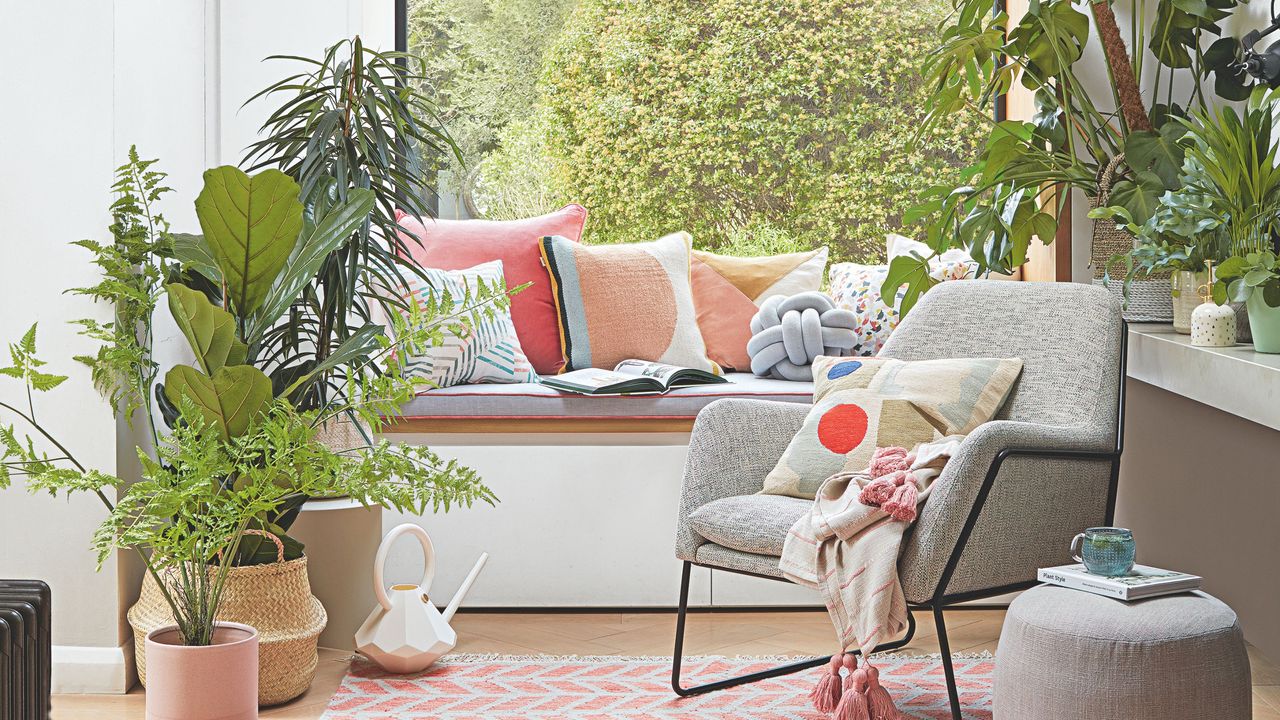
(1141, 582)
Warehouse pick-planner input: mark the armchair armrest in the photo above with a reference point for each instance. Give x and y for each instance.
(734, 444)
(1017, 473)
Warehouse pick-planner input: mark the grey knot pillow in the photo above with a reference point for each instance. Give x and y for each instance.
(789, 332)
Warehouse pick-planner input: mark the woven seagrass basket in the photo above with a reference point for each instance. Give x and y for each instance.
(274, 599)
(1150, 299)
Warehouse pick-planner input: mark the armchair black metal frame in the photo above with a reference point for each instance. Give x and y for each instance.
(941, 599)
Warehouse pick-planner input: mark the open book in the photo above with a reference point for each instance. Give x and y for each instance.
(630, 377)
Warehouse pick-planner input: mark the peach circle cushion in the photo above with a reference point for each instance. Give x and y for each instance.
(724, 316)
(460, 244)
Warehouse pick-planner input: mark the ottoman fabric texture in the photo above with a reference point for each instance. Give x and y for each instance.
(1073, 655)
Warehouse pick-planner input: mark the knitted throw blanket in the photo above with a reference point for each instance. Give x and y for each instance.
(847, 547)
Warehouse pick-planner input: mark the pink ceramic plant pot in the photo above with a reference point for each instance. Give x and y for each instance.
(213, 682)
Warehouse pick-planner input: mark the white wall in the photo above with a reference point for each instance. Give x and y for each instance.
(90, 78)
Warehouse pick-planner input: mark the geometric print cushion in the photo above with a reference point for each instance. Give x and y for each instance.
(860, 405)
(488, 352)
(856, 288)
(618, 302)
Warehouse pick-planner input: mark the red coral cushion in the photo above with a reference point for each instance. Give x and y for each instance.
(460, 244)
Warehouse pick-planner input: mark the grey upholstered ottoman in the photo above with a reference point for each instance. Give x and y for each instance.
(1067, 654)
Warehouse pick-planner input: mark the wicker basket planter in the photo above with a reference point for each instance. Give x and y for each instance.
(275, 600)
(1150, 299)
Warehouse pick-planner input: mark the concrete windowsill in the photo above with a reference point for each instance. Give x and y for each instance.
(1235, 379)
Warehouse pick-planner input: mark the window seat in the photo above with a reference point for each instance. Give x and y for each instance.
(530, 407)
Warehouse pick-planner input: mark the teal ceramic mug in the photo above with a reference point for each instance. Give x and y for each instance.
(1107, 551)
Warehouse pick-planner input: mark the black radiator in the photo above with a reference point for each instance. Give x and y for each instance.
(26, 653)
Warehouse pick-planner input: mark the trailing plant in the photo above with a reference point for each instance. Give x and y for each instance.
(1017, 188)
(355, 123)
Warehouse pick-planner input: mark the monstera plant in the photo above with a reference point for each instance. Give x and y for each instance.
(1017, 188)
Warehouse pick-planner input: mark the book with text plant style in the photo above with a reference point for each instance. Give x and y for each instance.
(1142, 581)
(631, 377)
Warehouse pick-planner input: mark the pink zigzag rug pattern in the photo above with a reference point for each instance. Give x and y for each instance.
(630, 688)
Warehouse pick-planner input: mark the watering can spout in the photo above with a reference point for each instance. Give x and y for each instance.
(466, 586)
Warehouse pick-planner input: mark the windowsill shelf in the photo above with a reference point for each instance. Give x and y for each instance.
(1235, 379)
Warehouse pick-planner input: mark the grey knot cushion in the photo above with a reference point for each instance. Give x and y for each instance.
(1071, 655)
(787, 333)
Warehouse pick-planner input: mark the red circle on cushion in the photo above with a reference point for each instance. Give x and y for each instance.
(842, 428)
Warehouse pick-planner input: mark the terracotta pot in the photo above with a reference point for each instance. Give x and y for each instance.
(212, 682)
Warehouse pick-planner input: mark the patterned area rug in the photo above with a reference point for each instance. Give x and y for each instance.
(629, 688)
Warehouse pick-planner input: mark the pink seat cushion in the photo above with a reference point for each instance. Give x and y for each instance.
(460, 244)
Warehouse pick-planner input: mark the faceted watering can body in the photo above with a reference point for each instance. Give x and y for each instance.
(405, 633)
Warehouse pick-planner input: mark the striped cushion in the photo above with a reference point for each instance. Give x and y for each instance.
(489, 352)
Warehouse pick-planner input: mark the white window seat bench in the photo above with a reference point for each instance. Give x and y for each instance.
(534, 408)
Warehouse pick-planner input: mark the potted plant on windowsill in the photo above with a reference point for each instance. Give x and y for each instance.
(1117, 148)
(1254, 279)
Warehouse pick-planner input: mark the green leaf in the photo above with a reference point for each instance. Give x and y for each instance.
(1231, 267)
(1158, 153)
(911, 271)
(251, 225)
(210, 330)
(320, 237)
(1271, 294)
(1257, 277)
(230, 400)
(1230, 81)
(194, 254)
(360, 345)
(1140, 198)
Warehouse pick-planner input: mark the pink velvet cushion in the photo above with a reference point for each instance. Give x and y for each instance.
(460, 244)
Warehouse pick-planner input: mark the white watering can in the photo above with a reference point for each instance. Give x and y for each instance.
(406, 633)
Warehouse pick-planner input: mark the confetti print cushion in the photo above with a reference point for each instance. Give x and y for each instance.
(856, 288)
(487, 352)
(862, 404)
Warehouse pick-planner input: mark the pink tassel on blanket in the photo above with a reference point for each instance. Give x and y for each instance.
(825, 696)
(886, 460)
(902, 506)
(854, 706)
(879, 703)
(890, 467)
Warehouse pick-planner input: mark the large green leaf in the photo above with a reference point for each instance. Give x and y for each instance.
(194, 254)
(230, 400)
(326, 229)
(1158, 153)
(910, 271)
(1141, 197)
(209, 329)
(251, 225)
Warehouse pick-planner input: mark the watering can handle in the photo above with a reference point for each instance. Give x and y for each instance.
(429, 560)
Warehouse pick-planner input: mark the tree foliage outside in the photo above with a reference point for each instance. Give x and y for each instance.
(729, 119)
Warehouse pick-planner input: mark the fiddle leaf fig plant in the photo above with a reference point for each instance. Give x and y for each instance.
(240, 452)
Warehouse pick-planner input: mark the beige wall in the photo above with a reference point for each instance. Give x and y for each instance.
(1200, 488)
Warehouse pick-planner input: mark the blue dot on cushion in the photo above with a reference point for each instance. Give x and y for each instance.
(839, 370)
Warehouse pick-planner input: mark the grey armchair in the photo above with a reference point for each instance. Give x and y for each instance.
(1005, 505)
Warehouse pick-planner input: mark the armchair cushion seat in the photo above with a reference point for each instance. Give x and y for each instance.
(751, 523)
(719, 556)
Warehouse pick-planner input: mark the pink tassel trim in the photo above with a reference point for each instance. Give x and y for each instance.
(825, 696)
(879, 703)
(902, 506)
(854, 706)
(894, 488)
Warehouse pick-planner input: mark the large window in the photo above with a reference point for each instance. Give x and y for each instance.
(755, 125)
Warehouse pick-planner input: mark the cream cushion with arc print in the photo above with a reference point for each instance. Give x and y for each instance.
(618, 302)
(864, 403)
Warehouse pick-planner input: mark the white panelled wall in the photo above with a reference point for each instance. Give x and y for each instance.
(88, 78)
